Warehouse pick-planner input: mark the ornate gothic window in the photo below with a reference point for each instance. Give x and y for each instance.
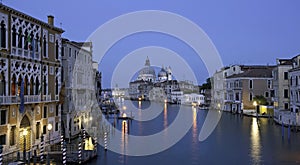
(44, 46)
(2, 84)
(26, 40)
(3, 34)
(20, 38)
(14, 36)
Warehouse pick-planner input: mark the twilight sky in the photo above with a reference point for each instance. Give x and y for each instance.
(243, 32)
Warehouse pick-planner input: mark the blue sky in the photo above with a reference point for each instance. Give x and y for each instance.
(244, 32)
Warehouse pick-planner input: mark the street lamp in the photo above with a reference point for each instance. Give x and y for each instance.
(257, 108)
(24, 143)
(49, 127)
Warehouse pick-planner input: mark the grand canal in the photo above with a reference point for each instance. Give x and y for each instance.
(236, 140)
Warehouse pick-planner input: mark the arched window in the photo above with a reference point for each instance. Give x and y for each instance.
(56, 49)
(38, 87)
(3, 34)
(2, 84)
(26, 40)
(13, 85)
(31, 86)
(26, 86)
(36, 43)
(31, 41)
(45, 85)
(14, 36)
(20, 38)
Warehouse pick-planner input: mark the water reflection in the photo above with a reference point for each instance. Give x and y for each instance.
(255, 142)
(165, 116)
(195, 130)
(124, 141)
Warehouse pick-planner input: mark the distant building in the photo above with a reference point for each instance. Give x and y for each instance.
(243, 87)
(219, 85)
(78, 77)
(280, 86)
(193, 99)
(293, 117)
(30, 81)
(147, 83)
(97, 82)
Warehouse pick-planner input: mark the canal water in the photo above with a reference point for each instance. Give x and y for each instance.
(236, 140)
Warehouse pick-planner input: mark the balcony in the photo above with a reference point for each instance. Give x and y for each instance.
(25, 53)
(7, 100)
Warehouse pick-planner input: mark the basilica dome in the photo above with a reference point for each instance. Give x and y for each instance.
(147, 73)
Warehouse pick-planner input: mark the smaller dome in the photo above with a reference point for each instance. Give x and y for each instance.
(162, 73)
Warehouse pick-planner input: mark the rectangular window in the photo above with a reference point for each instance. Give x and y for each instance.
(269, 84)
(250, 97)
(45, 112)
(2, 117)
(70, 52)
(12, 135)
(44, 129)
(56, 126)
(251, 84)
(286, 93)
(286, 75)
(286, 105)
(62, 51)
(57, 110)
(37, 127)
(2, 139)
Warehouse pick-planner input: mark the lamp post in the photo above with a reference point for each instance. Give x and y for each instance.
(24, 143)
(49, 127)
(256, 106)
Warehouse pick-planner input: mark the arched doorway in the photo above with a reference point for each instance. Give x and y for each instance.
(25, 134)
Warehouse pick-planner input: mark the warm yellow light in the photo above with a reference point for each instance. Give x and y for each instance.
(166, 100)
(124, 107)
(255, 103)
(91, 118)
(49, 127)
(140, 99)
(124, 115)
(25, 132)
(219, 105)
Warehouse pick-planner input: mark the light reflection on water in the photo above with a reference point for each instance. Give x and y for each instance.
(236, 140)
(255, 146)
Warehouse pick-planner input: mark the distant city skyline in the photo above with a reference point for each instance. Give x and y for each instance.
(255, 32)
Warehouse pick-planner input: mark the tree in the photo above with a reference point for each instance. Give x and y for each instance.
(260, 99)
(206, 85)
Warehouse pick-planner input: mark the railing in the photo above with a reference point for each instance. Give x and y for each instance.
(27, 99)
(25, 53)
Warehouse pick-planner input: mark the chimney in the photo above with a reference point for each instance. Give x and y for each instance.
(51, 20)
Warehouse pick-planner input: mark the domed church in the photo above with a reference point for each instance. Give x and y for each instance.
(147, 73)
(147, 80)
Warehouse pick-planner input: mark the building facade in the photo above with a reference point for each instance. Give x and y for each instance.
(219, 85)
(30, 56)
(293, 116)
(280, 86)
(79, 87)
(242, 88)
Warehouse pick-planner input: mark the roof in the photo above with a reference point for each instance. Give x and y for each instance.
(255, 72)
(284, 61)
(26, 16)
